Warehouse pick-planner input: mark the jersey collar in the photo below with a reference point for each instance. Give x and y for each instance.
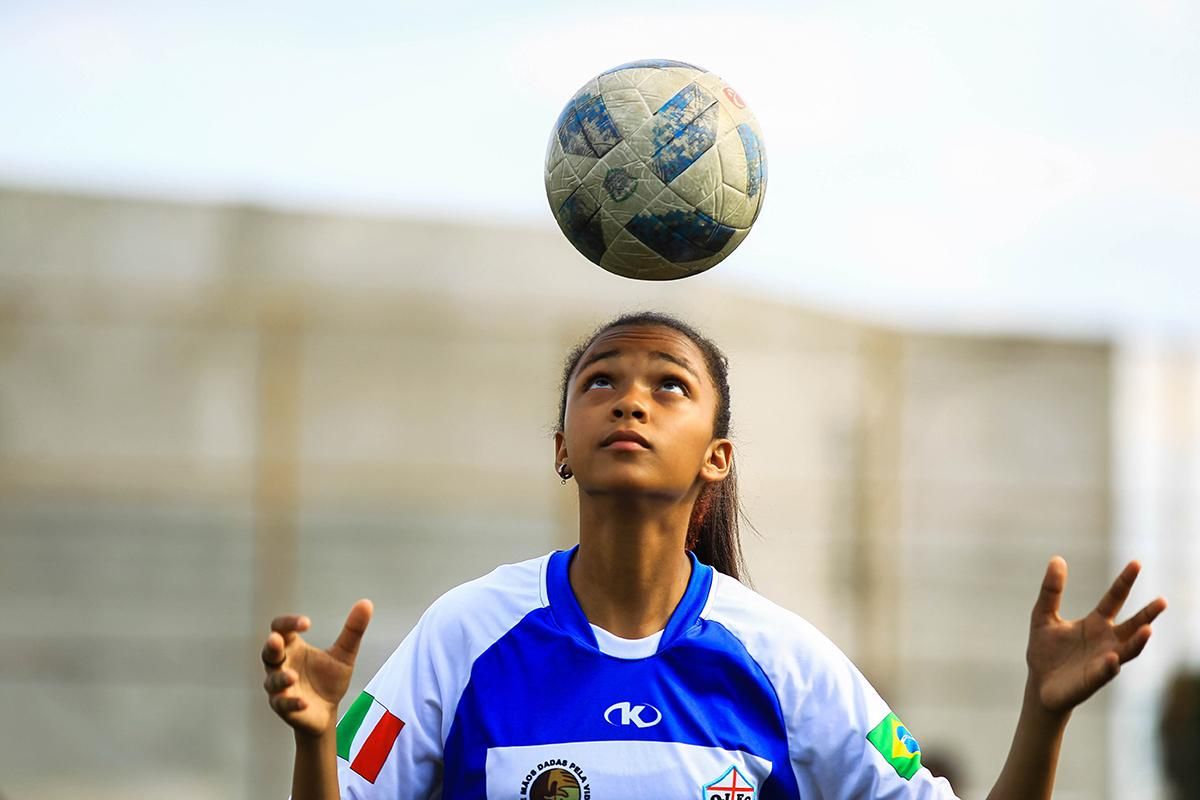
(570, 617)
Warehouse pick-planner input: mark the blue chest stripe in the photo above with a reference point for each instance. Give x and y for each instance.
(545, 682)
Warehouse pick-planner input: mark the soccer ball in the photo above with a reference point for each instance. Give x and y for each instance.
(656, 170)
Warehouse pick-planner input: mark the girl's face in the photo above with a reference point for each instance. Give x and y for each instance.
(639, 416)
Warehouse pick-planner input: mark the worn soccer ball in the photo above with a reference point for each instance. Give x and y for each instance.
(656, 170)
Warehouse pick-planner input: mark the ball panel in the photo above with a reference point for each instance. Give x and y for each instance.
(611, 226)
(578, 218)
(730, 100)
(678, 232)
(567, 128)
(755, 163)
(660, 85)
(685, 148)
(679, 113)
(630, 258)
(626, 108)
(562, 179)
(711, 205)
(587, 129)
(696, 267)
(700, 180)
(727, 123)
(554, 151)
(734, 208)
(566, 177)
(733, 160)
(620, 80)
(654, 63)
(683, 130)
(625, 79)
(730, 246)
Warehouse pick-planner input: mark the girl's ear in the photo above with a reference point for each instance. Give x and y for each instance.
(718, 461)
(560, 448)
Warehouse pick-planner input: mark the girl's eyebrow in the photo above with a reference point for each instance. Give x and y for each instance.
(659, 354)
(680, 362)
(598, 357)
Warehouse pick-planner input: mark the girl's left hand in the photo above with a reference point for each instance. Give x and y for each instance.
(1069, 660)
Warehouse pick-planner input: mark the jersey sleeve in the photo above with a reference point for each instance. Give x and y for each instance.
(390, 738)
(844, 743)
(851, 745)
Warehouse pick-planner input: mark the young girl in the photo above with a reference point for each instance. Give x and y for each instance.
(636, 663)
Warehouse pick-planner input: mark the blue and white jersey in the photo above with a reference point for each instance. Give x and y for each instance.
(504, 690)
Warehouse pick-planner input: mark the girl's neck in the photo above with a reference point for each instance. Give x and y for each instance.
(630, 571)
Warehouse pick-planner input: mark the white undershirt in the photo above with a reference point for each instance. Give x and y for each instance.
(613, 645)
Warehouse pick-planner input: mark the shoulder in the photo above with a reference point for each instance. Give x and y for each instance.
(480, 611)
(432, 664)
(808, 671)
(493, 602)
(837, 724)
(762, 625)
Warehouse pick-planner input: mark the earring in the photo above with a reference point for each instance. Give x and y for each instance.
(565, 473)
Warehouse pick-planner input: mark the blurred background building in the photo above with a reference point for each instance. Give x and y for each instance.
(213, 414)
(282, 314)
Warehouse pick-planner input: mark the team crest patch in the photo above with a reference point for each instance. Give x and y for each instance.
(733, 785)
(556, 779)
(896, 745)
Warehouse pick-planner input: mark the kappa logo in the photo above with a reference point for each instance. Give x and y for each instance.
(633, 715)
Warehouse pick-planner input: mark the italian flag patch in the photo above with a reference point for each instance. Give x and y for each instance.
(366, 734)
(897, 746)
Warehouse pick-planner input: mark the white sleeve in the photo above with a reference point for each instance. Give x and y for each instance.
(390, 737)
(852, 745)
(843, 741)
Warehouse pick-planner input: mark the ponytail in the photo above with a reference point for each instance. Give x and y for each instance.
(713, 528)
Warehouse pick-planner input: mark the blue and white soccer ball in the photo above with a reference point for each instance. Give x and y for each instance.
(656, 170)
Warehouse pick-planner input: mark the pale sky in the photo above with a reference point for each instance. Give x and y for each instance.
(1029, 165)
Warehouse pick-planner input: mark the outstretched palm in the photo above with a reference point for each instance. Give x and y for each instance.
(1070, 660)
(305, 683)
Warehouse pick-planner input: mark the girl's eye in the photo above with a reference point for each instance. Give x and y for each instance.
(672, 385)
(598, 379)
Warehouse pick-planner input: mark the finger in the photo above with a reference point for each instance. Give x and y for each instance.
(279, 680)
(1148, 614)
(346, 646)
(284, 705)
(273, 654)
(289, 624)
(1137, 642)
(1053, 584)
(1110, 604)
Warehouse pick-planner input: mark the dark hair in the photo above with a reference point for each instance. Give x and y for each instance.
(713, 528)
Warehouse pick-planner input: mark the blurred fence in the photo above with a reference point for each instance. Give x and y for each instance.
(210, 415)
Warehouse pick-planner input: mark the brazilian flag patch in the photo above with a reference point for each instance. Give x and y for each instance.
(897, 746)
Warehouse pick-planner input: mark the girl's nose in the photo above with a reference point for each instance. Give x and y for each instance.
(629, 404)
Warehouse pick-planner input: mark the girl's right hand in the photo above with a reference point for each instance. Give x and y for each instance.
(304, 683)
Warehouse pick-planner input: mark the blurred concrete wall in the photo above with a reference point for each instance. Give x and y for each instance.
(211, 415)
